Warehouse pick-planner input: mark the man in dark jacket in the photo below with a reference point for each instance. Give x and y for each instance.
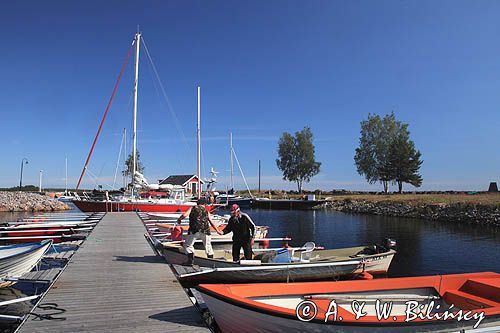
(243, 230)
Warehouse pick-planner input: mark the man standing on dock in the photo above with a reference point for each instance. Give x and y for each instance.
(243, 230)
(199, 228)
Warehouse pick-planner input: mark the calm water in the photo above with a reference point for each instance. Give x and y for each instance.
(424, 247)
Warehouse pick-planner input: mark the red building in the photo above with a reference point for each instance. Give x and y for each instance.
(188, 182)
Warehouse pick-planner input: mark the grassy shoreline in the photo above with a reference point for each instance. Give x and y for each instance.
(481, 209)
(483, 199)
(432, 198)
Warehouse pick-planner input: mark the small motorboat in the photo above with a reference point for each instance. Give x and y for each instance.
(260, 231)
(287, 204)
(283, 265)
(34, 232)
(57, 231)
(16, 260)
(447, 303)
(228, 200)
(56, 238)
(172, 218)
(164, 216)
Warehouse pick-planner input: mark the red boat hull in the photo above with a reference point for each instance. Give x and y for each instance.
(55, 239)
(103, 206)
(36, 235)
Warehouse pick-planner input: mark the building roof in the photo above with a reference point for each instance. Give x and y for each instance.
(178, 179)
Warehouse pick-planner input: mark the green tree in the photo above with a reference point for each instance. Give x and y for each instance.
(390, 129)
(367, 157)
(386, 153)
(404, 160)
(129, 165)
(296, 157)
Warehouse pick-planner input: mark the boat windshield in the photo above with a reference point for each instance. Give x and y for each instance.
(177, 194)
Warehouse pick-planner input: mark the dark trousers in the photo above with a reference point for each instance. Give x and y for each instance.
(247, 250)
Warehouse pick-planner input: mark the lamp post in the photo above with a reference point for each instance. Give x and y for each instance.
(23, 161)
(40, 187)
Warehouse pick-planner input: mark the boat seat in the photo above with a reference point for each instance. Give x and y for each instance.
(305, 256)
(488, 288)
(467, 301)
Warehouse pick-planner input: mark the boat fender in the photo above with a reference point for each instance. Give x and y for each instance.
(265, 244)
(364, 276)
(176, 233)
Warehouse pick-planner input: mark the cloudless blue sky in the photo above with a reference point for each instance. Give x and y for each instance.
(264, 67)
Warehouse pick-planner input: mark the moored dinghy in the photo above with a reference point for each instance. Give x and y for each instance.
(166, 228)
(27, 233)
(419, 304)
(16, 260)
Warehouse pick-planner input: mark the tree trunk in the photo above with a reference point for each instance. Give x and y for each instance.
(299, 186)
(400, 186)
(386, 186)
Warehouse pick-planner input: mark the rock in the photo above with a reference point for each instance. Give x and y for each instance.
(27, 201)
(478, 214)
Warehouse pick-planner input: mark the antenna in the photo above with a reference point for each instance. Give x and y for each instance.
(198, 194)
(231, 182)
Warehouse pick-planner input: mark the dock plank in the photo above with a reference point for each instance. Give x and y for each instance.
(115, 283)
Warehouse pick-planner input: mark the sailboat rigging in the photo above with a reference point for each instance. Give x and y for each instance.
(131, 201)
(230, 198)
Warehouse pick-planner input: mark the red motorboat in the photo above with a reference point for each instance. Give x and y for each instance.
(56, 235)
(446, 303)
(58, 232)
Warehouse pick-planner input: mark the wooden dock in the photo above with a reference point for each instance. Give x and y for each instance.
(115, 283)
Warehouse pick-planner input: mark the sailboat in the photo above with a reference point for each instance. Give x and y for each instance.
(176, 200)
(230, 198)
(66, 197)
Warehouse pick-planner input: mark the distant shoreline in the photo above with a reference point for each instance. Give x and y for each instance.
(482, 209)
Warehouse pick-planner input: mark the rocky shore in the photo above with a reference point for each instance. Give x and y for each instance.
(453, 212)
(28, 202)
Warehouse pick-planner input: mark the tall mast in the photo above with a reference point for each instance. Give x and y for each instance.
(66, 175)
(124, 178)
(231, 159)
(198, 147)
(136, 82)
(259, 177)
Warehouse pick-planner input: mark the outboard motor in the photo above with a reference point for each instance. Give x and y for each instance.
(389, 243)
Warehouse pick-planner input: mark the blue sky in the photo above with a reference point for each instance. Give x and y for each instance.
(264, 67)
